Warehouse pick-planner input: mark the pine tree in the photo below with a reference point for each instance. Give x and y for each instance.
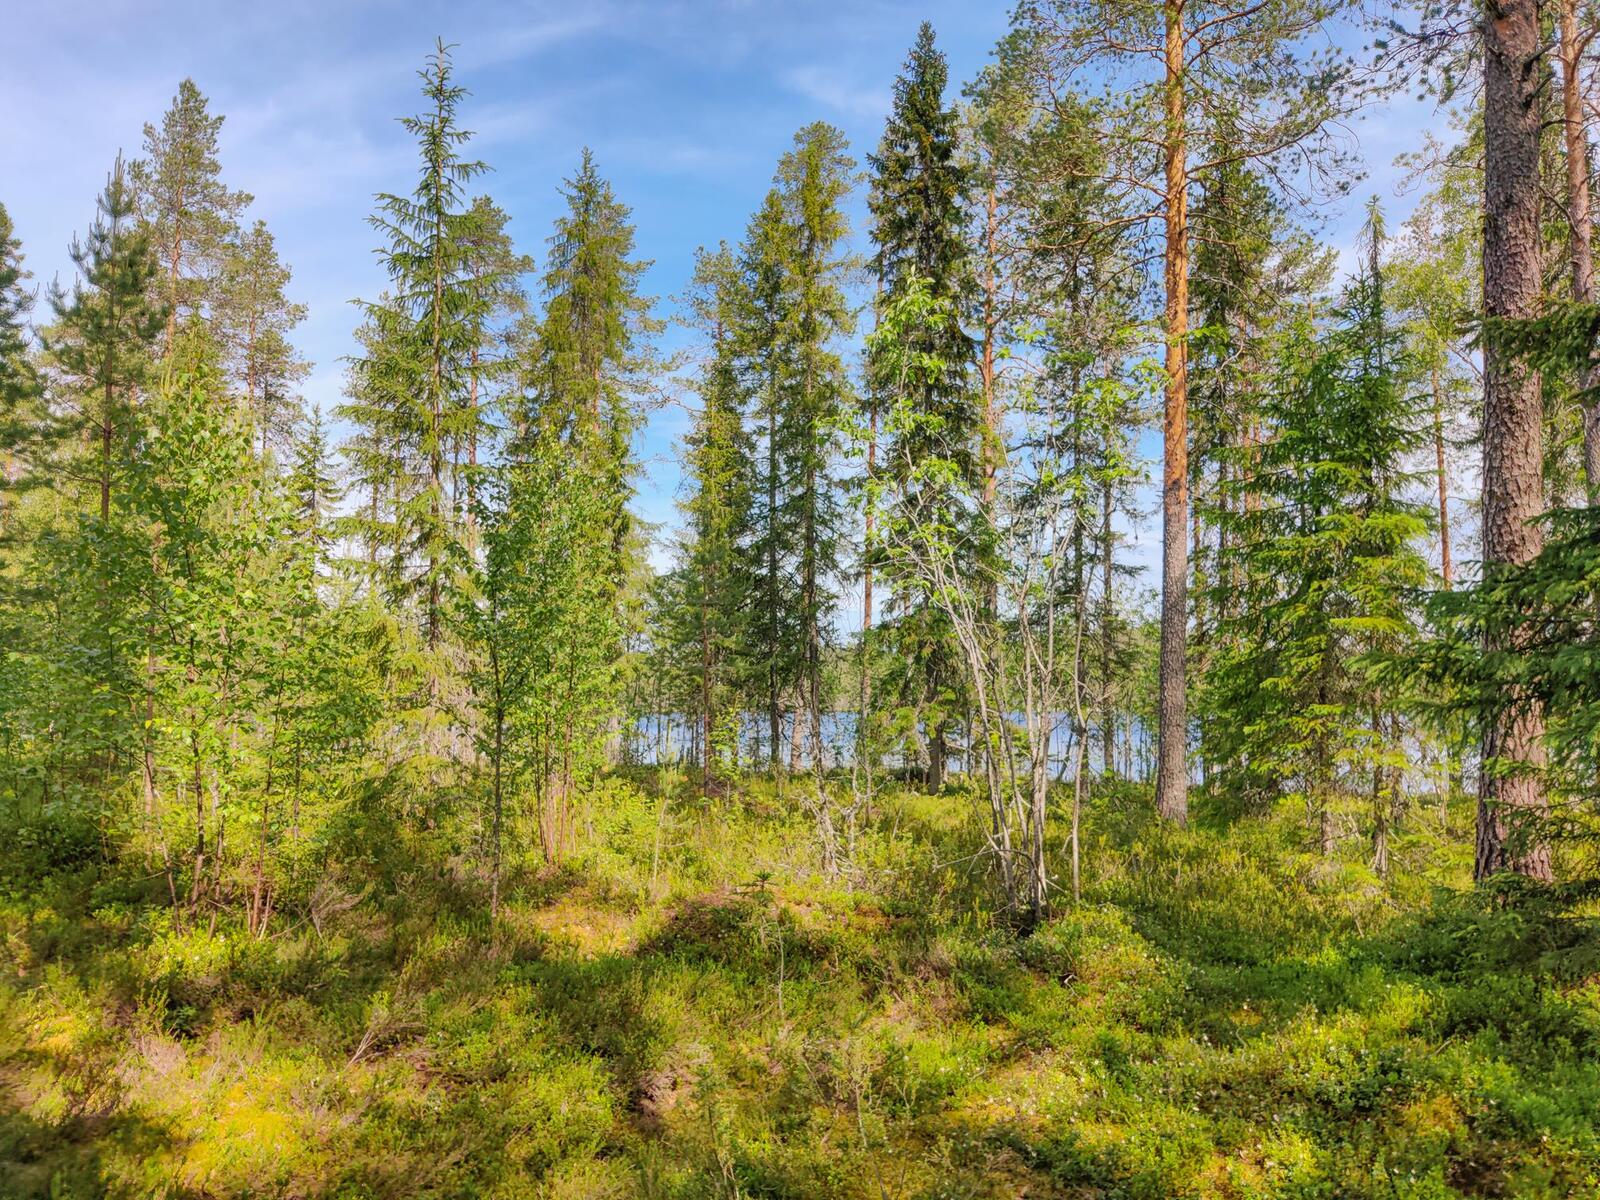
(254, 320)
(19, 379)
(103, 336)
(190, 213)
(1511, 799)
(1553, 677)
(918, 195)
(1187, 71)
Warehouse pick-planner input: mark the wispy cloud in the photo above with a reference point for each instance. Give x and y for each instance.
(522, 38)
(830, 87)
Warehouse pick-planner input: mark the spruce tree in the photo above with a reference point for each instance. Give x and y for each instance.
(793, 313)
(919, 187)
(497, 269)
(370, 453)
(594, 345)
(717, 470)
(1330, 557)
(918, 195)
(412, 389)
(816, 179)
(772, 654)
(1252, 272)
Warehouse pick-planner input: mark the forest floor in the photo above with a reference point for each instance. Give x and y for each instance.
(689, 1008)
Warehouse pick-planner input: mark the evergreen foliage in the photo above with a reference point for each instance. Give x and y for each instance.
(1329, 556)
(414, 385)
(919, 190)
(389, 806)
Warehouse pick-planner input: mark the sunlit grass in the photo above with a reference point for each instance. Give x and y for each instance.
(690, 1008)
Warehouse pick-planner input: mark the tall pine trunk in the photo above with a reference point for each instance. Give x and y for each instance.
(1576, 133)
(1172, 776)
(1511, 801)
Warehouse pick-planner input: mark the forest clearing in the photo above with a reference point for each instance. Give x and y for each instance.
(1052, 653)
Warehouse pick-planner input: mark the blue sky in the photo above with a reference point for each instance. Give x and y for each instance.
(687, 104)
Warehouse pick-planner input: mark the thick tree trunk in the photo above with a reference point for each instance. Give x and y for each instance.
(1511, 799)
(797, 728)
(1577, 144)
(938, 754)
(1172, 776)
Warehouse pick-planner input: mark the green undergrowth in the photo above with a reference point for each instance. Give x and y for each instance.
(690, 1008)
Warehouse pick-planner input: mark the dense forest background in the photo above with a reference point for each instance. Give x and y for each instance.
(391, 810)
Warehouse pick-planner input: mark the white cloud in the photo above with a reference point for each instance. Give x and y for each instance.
(829, 87)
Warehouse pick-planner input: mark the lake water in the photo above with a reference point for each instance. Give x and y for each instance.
(660, 738)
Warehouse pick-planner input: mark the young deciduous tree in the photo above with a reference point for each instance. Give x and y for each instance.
(538, 611)
(202, 519)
